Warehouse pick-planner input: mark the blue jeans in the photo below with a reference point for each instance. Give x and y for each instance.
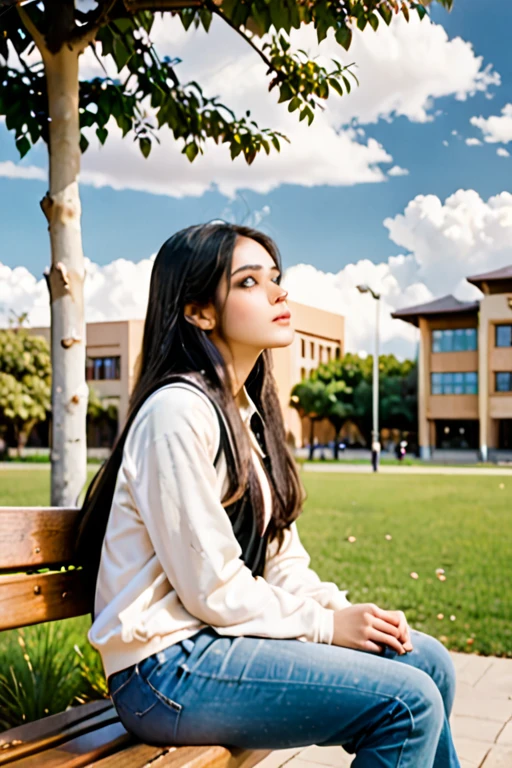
(260, 693)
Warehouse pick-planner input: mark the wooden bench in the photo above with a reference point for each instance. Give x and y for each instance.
(33, 538)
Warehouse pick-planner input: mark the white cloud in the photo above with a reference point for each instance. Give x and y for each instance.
(448, 241)
(502, 152)
(445, 143)
(397, 171)
(402, 70)
(443, 242)
(496, 128)
(473, 142)
(11, 170)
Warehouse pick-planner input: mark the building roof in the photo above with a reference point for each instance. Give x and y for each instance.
(505, 273)
(446, 305)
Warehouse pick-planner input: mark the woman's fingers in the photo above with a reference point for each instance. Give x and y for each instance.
(390, 616)
(382, 637)
(397, 618)
(385, 626)
(368, 645)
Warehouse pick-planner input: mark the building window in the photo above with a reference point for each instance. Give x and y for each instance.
(103, 368)
(338, 353)
(504, 381)
(302, 373)
(320, 353)
(454, 383)
(329, 354)
(312, 350)
(302, 348)
(454, 340)
(504, 335)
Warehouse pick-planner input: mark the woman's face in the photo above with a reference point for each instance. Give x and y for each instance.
(254, 301)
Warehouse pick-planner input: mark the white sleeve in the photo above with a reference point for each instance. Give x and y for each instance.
(290, 570)
(176, 491)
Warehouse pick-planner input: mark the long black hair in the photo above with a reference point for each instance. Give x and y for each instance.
(189, 268)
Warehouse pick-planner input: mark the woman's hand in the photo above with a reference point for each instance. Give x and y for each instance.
(366, 627)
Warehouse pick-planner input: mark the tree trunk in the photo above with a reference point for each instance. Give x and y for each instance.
(65, 279)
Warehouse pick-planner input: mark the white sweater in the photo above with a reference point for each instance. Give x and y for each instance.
(170, 563)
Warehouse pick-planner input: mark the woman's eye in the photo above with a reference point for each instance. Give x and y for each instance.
(277, 280)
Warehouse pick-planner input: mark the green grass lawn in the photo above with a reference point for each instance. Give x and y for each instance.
(461, 524)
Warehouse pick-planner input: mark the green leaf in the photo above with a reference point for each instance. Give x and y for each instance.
(422, 11)
(191, 151)
(275, 142)
(285, 92)
(235, 150)
(336, 85)
(145, 146)
(121, 54)
(344, 37)
(346, 82)
(206, 18)
(23, 145)
(386, 13)
(83, 143)
(294, 104)
(102, 134)
(374, 22)
(123, 25)
(361, 23)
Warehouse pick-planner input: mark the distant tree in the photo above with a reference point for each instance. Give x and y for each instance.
(397, 389)
(25, 382)
(317, 400)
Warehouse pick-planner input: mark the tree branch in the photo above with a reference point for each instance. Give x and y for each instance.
(132, 6)
(86, 33)
(218, 12)
(37, 37)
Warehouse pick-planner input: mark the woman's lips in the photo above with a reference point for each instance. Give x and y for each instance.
(285, 316)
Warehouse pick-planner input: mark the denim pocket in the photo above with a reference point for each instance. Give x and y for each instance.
(145, 711)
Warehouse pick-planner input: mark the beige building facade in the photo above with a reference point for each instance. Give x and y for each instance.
(465, 369)
(113, 349)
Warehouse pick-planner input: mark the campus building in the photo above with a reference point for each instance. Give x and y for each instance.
(465, 369)
(113, 350)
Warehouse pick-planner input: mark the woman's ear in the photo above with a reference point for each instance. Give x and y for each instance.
(203, 317)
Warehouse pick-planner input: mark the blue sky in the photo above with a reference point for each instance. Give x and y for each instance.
(328, 226)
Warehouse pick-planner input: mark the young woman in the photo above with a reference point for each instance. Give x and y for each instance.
(211, 626)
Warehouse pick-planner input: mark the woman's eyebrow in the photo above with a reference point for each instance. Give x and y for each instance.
(252, 266)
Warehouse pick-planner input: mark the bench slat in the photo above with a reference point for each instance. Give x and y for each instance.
(96, 721)
(30, 733)
(32, 599)
(139, 755)
(36, 536)
(80, 751)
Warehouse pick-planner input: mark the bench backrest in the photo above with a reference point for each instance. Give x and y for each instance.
(32, 539)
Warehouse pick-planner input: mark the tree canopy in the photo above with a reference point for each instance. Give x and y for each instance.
(148, 93)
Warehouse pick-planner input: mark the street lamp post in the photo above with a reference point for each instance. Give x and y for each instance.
(375, 383)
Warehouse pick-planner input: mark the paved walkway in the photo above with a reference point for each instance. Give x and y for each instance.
(481, 720)
(413, 469)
